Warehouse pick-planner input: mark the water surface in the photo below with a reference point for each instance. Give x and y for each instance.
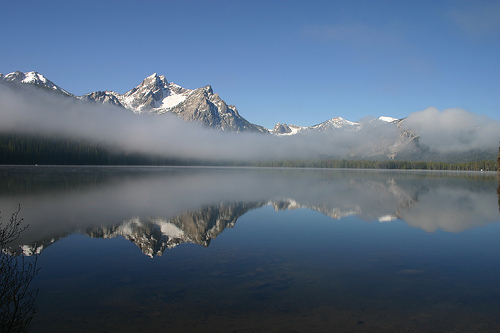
(245, 250)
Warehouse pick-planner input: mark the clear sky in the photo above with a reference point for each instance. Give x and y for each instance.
(295, 62)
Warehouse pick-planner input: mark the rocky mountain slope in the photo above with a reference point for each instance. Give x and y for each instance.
(35, 79)
(334, 123)
(155, 235)
(158, 96)
(367, 195)
(379, 138)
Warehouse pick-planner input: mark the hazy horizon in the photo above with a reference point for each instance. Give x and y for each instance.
(34, 111)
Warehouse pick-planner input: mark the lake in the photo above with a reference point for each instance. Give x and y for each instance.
(141, 249)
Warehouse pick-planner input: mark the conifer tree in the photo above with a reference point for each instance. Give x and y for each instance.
(498, 159)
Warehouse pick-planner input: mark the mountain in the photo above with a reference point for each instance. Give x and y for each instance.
(391, 136)
(379, 138)
(35, 79)
(284, 129)
(154, 235)
(330, 124)
(212, 200)
(155, 95)
(158, 96)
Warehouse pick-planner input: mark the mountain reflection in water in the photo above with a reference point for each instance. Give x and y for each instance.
(159, 208)
(259, 250)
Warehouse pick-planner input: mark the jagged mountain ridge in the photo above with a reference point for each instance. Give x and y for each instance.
(153, 236)
(334, 123)
(155, 95)
(392, 137)
(380, 199)
(158, 96)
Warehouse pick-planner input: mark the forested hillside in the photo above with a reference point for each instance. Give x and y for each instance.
(485, 165)
(29, 149)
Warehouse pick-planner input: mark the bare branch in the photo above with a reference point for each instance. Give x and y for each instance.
(17, 298)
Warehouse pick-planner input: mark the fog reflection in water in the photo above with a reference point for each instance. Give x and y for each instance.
(100, 201)
(306, 249)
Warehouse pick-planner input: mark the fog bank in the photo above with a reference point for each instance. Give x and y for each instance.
(32, 110)
(454, 130)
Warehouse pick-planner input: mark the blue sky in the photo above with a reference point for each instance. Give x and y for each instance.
(295, 62)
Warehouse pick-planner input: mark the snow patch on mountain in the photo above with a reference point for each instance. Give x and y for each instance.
(155, 95)
(334, 123)
(168, 229)
(387, 119)
(337, 122)
(30, 250)
(285, 129)
(33, 78)
(172, 100)
(387, 218)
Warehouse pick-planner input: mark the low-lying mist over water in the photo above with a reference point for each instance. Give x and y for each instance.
(220, 249)
(57, 200)
(30, 110)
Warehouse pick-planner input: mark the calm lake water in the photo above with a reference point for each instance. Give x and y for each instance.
(142, 249)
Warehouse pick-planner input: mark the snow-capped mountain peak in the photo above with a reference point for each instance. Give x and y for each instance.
(334, 123)
(337, 122)
(155, 81)
(147, 95)
(156, 95)
(33, 78)
(285, 129)
(153, 95)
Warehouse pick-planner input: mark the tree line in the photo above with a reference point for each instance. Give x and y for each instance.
(25, 149)
(392, 164)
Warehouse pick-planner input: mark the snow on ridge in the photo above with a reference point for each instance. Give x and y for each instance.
(387, 218)
(175, 95)
(294, 130)
(387, 119)
(333, 123)
(174, 85)
(341, 121)
(28, 250)
(34, 78)
(336, 122)
(169, 229)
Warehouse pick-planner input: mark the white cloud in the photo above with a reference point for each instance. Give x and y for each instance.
(454, 130)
